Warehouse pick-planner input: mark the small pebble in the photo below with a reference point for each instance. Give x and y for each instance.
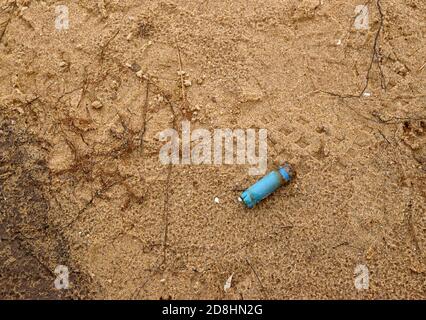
(22, 10)
(322, 129)
(135, 67)
(96, 104)
(216, 200)
(139, 74)
(187, 83)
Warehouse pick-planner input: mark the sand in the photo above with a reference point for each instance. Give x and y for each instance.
(81, 184)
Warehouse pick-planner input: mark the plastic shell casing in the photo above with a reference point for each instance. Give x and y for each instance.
(267, 185)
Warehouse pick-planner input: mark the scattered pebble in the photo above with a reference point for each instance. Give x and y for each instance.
(366, 94)
(139, 74)
(22, 11)
(187, 83)
(323, 129)
(135, 67)
(115, 85)
(339, 42)
(216, 200)
(181, 73)
(97, 104)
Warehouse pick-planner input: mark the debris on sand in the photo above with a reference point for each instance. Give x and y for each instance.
(228, 283)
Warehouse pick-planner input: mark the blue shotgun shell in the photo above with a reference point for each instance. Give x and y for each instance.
(267, 185)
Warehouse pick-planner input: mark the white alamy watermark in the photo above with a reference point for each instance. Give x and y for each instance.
(220, 146)
(62, 280)
(62, 21)
(362, 277)
(361, 18)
